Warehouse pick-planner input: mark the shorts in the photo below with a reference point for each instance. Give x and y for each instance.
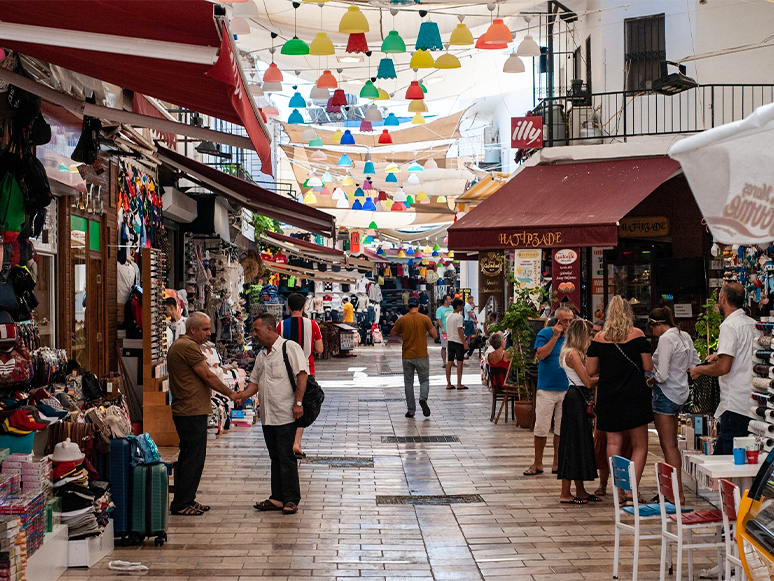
(548, 404)
(663, 405)
(444, 339)
(456, 351)
(469, 328)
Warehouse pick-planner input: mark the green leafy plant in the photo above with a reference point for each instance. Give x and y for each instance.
(262, 224)
(708, 327)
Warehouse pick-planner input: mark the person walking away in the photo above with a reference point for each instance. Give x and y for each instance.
(674, 356)
(732, 365)
(457, 343)
(621, 356)
(441, 313)
(470, 319)
(191, 383)
(413, 328)
(552, 386)
(576, 447)
(280, 407)
(349, 311)
(306, 333)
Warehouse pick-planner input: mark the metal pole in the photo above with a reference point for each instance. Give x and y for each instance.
(550, 74)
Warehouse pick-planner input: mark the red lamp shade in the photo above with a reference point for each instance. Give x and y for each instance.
(385, 137)
(483, 43)
(272, 74)
(357, 43)
(382, 196)
(398, 207)
(415, 91)
(327, 81)
(498, 33)
(338, 99)
(366, 126)
(331, 108)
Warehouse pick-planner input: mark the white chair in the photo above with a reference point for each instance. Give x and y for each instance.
(707, 522)
(729, 500)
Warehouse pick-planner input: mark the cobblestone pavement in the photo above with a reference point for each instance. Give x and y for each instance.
(514, 529)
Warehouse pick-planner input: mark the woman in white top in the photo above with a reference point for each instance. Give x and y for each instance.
(673, 357)
(577, 461)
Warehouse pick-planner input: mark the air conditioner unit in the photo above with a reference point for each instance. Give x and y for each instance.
(177, 206)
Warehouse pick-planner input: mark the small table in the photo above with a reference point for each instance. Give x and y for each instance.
(707, 470)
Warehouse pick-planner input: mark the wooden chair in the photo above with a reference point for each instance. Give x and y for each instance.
(496, 381)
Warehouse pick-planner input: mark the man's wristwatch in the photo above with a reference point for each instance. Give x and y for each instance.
(299, 404)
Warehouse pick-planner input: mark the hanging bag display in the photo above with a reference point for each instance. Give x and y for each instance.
(313, 396)
(15, 366)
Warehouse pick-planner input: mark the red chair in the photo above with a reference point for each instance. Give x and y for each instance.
(496, 383)
(709, 523)
(730, 499)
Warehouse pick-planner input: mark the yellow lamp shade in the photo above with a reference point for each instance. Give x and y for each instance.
(392, 168)
(348, 181)
(401, 254)
(417, 106)
(418, 119)
(422, 59)
(447, 61)
(336, 137)
(451, 254)
(353, 22)
(461, 36)
(310, 198)
(423, 199)
(386, 204)
(383, 95)
(321, 45)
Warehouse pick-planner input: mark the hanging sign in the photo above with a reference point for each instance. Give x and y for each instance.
(526, 268)
(565, 273)
(526, 132)
(491, 279)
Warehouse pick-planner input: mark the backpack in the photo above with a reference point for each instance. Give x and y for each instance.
(144, 450)
(91, 388)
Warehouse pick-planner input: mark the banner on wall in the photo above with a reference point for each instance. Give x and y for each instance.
(527, 268)
(566, 277)
(597, 285)
(491, 280)
(526, 132)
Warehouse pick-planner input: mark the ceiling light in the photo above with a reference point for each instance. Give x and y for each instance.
(273, 74)
(373, 114)
(347, 139)
(429, 37)
(393, 43)
(422, 59)
(417, 106)
(385, 138)
(321, 45)
(357, 205)
(369, 168)
(484, 44)
(391, 120)
(513, 64)
(295, 118)
(498, 33)
(392, 168)
(295, 47)
(319, 94)
(461, 36)
(272, 86)
(413, 179)
(447, 61)
(326, 81)
(342, 203)
(309, 134)
(528, 47)
(369, 91)
(344, 161)
(336, 137)
(386, 69)
(318, 156)
(414, 91)
(240, 26)
(431, 164)
(297, 101)
(315, 182)
(357, 43)
(353, 21)
(256, 90)
(383, 95)
(414, 167)
(245, 10)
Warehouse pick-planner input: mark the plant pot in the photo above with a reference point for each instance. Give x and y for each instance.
(525, 414)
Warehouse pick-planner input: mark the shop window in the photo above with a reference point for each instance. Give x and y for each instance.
(78, 239)
(645, 46)
(45, 292)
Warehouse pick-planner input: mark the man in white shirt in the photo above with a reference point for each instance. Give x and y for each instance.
(457, 344)
(177, 323)
(470, 320)
(732, 365)
(280, 408)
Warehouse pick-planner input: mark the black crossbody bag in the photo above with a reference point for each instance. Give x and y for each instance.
(313, 396)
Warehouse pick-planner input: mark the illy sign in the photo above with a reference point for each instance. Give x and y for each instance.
(526, 132)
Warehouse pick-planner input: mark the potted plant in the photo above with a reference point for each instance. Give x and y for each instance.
(521, 320)
(708, 327)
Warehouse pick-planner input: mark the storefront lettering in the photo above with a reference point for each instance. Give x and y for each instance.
(530, 239)
(746, 212)
(643, 227)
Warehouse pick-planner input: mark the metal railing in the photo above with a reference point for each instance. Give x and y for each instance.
(579, 118)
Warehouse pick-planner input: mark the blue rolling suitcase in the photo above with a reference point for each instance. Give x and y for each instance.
(119, 476)
(150, 502)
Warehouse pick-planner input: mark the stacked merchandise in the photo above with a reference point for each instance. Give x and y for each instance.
(35, 473)
(71, 484)
(29, 509)
(13, 549)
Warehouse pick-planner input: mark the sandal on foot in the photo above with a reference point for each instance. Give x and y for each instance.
(450, 387)
(600, 491)
(201, 507)
(575, 500)
(188, 511)
(266, 505)
(463, 387)
(290, 508)
(532, 472)
(593, 498)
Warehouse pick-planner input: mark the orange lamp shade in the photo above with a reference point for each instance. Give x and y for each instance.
(273, 74)
(327, 81)
(498, 33)
(483, 43)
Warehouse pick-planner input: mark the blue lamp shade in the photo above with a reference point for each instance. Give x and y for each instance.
(386, 69)
(429, 37)
(411, 261)
(410, 251)
(296, 118)
(391, 178)
(380, 251)
(357, 205)
(347, 138)
(344, 160)
(391, 120)
(297, 101)
(371, 207)
(367, 239)
(359, 193)
(435, 254)
(369, 168)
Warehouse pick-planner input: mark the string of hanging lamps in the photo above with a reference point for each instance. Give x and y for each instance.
(295, 46)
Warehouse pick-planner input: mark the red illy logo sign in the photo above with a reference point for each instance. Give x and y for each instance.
(526, 132)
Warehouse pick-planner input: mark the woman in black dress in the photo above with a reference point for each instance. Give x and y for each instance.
(620, 354)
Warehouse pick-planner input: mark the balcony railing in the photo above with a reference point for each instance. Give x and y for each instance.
(582, 118)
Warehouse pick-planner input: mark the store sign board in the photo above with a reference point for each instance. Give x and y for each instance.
(597, 284)
(491, 279)
(527, 268)
(683, 311)
(526, 132)
(643, 227)
(566, 277)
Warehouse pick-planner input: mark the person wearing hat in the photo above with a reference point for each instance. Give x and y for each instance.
(413, 328)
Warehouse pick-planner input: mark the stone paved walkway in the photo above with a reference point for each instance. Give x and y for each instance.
(517, 530)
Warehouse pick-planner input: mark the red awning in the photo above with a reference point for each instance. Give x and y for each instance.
(304, 245)
(174, 50)
(551, 206)
(251, 196)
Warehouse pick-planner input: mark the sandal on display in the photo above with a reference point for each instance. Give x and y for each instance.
(290, 508)
(188, 511)
(576, 500)
(265, 505)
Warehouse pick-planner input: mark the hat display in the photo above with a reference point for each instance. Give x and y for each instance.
(67, 451)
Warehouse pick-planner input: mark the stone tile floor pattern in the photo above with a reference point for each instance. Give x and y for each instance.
(519, 532)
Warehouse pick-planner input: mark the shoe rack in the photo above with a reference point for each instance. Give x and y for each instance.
(157, 411)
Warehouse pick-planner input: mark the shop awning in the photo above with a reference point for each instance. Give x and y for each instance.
(479, 192)
(304, 245)
(175, 50)
(550, 206)
(251, 196)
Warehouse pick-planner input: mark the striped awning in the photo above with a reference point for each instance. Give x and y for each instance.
(480, 191)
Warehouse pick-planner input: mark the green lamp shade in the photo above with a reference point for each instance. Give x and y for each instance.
(373, 226)
(369, 91)
(316, 142)
(393, 43)
(295, 46)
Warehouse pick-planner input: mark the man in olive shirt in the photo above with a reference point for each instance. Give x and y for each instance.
(413, 328)
(190, 383)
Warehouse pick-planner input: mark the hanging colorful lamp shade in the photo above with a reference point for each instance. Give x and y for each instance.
(417, 252)
(273, 74)
(347, 139)
(368, 185)
(371, 207)
(414, 167)
(380, 251)
(339, 97)
(451, 254)
(321, 45)
(393, 44)
(373, 226)
(398, 207)
(369, 168)
(386, 204)
(498, 33)
(513, 64)
(391, 121)
(461, 36)
(295, 118)
(315, 182)
(429, 37)
(411, 260)
(357, 205)
(422, 59)
(347, 181)
(383, 95)
(310, 198)
(359, 193)
(366, 126)
(295, 47)
(382, 196)
(326, 178)
(417, 106)
(331, 108)
(256, 90)
(528, 47)
(427, 249)
(342, 203)
(414, 91)
(270, 111)
(338, 194)
(318, 155)
(418, 119)
(413, 179)
(369, 91)
(357, 43)
(368, 239)
(401, 254)
(442, 199)
(344, 161)
(399, 195)
(386, 69)
(240, 26)
(245, 10)
(326, 81)
(484, 44)
(392, 168)
(447, 61)
(373, 115)
(336, 137)
(409, 200)
(297, 101)
(319, 95)
(436, 247)
(435, 254)
(385, 138)
(431, 164)
(353, 22)
(407, 204)
(391, 178)
(309, 134)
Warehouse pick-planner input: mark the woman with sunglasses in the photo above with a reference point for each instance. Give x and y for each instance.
(673, 357)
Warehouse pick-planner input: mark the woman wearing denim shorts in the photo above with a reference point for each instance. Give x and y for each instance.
(673, 357)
